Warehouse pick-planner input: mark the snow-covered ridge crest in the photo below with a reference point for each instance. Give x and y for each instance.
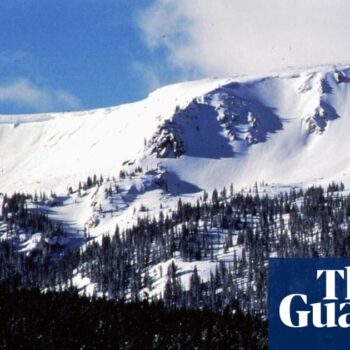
(243, 128)
(279, 128)
(54, 151)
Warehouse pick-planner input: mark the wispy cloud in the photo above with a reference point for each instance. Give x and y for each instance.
(21, 92)
(149, 75)
(225, 37)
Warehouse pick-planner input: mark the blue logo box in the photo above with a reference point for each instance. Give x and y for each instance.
(309, 304)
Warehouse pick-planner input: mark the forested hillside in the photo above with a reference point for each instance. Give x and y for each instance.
(224, 240)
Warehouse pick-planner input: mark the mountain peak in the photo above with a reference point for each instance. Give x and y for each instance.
(244, 123)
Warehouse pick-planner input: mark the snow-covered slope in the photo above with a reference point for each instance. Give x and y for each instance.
(289, 127)
(53, 151)
(284, 129)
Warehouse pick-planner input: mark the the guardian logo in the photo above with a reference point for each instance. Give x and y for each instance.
(329, 308)
(309, 304)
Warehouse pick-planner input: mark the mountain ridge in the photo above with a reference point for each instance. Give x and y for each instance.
(236, 121)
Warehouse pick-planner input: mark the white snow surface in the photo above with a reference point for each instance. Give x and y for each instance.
(54, 151)
(51, 151)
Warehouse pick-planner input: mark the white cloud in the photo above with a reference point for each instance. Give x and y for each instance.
(225, 37)
(23, 93)
(149, 75)
(66, 99)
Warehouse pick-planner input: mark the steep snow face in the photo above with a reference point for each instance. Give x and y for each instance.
(286, 128)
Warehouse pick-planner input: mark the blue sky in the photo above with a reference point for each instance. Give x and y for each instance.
(63, 55)
(58, 55)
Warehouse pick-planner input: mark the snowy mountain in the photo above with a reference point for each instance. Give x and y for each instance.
(108, 167)
(196, 130)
